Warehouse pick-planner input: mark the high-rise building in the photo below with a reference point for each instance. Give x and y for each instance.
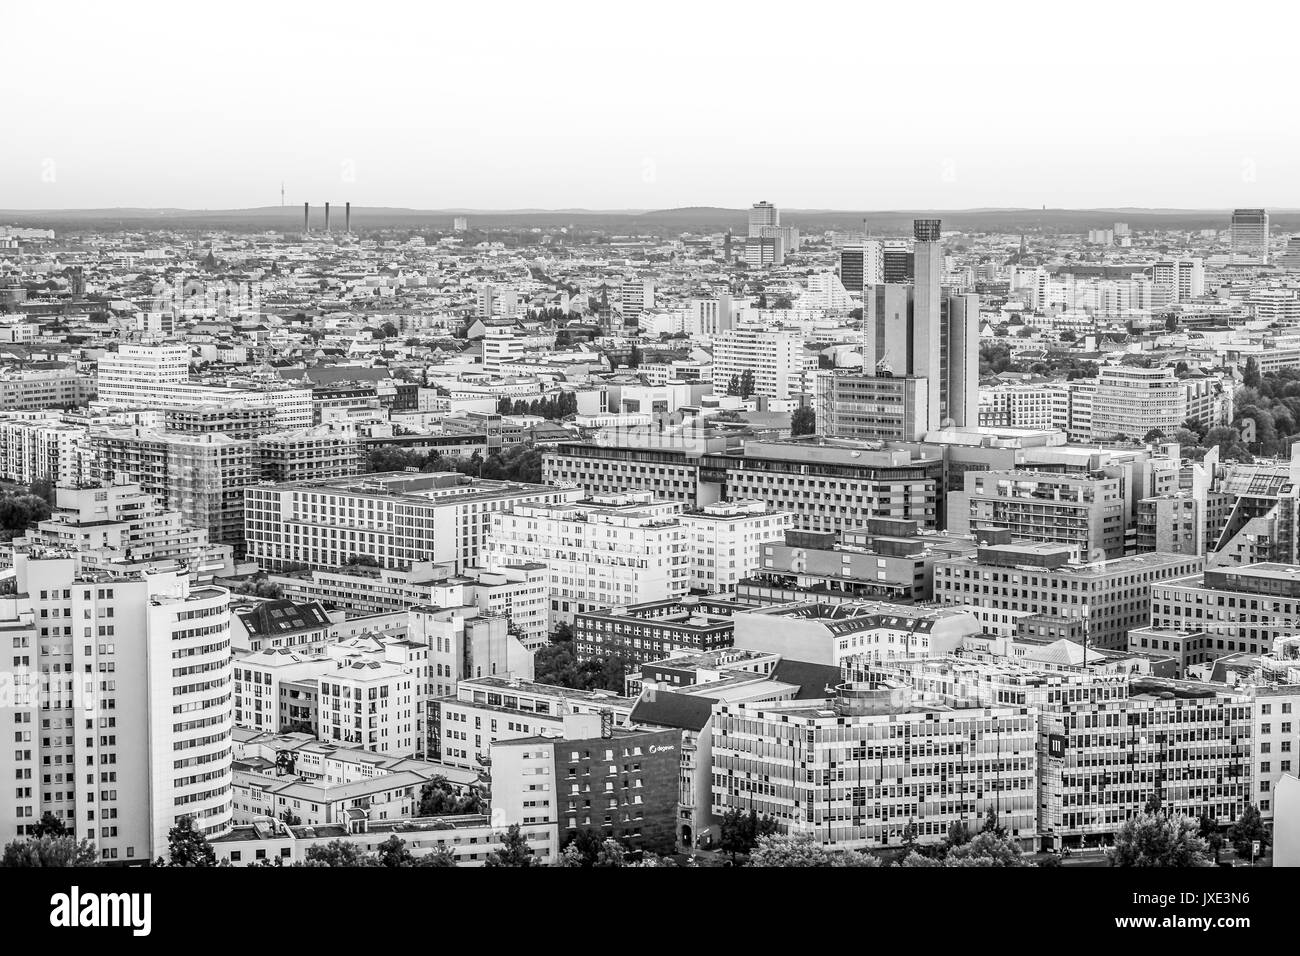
(1181, 279)
(762, 214)
(1248, 234)
(1131, 401)
(201, 476)
(122, 705)
(637, 296)
(780, 365)
(862, 266)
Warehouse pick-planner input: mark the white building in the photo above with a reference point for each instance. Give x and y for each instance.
(599, 552)
(725, 542)
(122, 704)
(782, 368)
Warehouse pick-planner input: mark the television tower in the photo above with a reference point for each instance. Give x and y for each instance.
(282, 194)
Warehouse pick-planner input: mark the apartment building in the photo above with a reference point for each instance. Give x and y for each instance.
(279, 624)
(726, 542)
(394, 518)
(599, 552)
(122, 714)
(320, 453)
(117, 526)
(616, 783)
(202, 476)
(370, 704)
(1110, 597)
(37, 446)
(776, 358)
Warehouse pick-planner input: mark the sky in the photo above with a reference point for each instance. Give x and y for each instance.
(570, 104)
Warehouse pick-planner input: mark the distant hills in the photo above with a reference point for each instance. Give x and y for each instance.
(663, 221)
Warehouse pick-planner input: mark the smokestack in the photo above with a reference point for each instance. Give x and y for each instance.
(347, 218)
(306, 218)
(327, 218)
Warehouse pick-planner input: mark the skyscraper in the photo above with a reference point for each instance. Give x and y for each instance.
(762, 214)
(862, 266)
(919, 332)
(1249, 235)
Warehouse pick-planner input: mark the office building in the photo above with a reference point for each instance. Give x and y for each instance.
(1130, 401)
(827, 633)
(863, 767)
(395, 518)
(761, 215)
(885, 560)
(1243, 609)
(640, 633)
(862, 266)
(1248, 234)
(1110, 597)
(1107, 743)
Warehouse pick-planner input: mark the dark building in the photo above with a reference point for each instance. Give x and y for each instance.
(657, 629)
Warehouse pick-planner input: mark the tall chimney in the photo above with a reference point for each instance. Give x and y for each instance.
(327, 218)
(306, 218)
(347, 218)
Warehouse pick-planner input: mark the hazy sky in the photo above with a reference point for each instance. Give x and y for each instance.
(807, 104)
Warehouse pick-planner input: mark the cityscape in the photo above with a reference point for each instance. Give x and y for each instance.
(331, 542)
(498, 440)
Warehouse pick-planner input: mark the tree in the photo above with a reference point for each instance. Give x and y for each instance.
(740, 831)
(290, 818)
(782, 302)
(991, 847)
(733, 385)
(1158, 839)
(798, 850)
(339, 853)
(1248, 828)
(513, 851)
(187, 846)
(61, 851)
(611, 854)
(393, 853)
(803, 421)
(1210, 834)
(50, 825)
(439, 857)
(1250, 375)
(1154, 435)
(747, 383)
(439, 798)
